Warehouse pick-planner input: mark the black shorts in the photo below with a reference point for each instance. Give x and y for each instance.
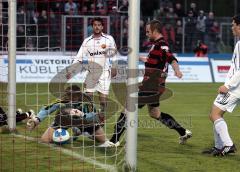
(149, 94)
(149, 98)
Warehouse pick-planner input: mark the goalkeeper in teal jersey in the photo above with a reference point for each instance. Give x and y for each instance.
(75, 109)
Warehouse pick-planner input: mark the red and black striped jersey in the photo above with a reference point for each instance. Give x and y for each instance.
(156, 66)
(159, 56)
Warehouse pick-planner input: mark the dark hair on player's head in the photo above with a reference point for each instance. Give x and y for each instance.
(74, 92)
(70, 92)
(236, 19)
(65, 111)
(99, 19)
(72, 88)
(155, 25)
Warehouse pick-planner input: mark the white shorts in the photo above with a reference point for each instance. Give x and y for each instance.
(226, 102)
(102, 85)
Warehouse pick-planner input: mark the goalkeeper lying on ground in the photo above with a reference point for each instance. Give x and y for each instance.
(75, 109)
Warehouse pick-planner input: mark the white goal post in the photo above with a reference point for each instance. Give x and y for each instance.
(132, 103)
(12, 65)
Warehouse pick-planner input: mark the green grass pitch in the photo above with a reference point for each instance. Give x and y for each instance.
(157, 148)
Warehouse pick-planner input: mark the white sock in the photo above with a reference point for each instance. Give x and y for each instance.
(222, 130)
(217, 139)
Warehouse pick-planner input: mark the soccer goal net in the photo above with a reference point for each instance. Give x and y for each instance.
(48, 36)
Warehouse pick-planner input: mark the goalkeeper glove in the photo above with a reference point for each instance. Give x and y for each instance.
(32, 123)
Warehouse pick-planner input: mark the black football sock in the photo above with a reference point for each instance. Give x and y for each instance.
(2, 111)
(119, 128)
(3, 117)
(171, 123)
(21, 116)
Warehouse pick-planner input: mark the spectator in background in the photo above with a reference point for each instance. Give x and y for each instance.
(201, 25)
(1, 14)
(142, 35)
(87, 3)
(115, 22)
(21, 15)
(30, 44)
(30, 7)
(54, 34)
(193, 8)
(89, 28)
(84, 10)
(123, 8)
(160, 13)
(92, 9)
(214, 34)
(57, 7)
(179, 35)
(201, 49)
(43, 30)
(171, 14)
(110, 5)
(179, 11)
(70, 8)
(190, 31)
(43, 23)
(101, 7)
(168, 33)
(166, 4)
(35, 17)
(125, 33)
(21, 38)
(209, 23)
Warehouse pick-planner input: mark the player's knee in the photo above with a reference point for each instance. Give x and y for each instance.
(47, 136)
(46, 139)
(213, 116)
(154, 114)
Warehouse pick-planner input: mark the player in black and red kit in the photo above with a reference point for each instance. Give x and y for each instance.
(153, 84)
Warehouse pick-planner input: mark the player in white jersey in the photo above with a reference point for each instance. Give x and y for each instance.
(100, 51)
(227, 99)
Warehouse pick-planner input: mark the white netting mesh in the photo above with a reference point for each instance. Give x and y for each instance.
(42, 29)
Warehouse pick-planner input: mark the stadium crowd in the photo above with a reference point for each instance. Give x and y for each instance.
(40, 24)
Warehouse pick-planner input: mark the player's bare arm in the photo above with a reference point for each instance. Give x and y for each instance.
(176, 69)
(223, 89)
(143, 58)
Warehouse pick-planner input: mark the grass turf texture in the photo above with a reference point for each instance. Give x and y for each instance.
(158, 148)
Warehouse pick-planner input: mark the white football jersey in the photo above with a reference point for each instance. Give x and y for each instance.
(233, 78)
(101, 50)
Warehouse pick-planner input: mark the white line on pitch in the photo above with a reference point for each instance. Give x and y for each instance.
(71, 153)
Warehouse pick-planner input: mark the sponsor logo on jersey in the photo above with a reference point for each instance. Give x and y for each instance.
(97, 53)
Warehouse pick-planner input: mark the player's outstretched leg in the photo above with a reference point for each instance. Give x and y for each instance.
(171, 123)
(20, 115)
(119, 128)
(223, 142)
